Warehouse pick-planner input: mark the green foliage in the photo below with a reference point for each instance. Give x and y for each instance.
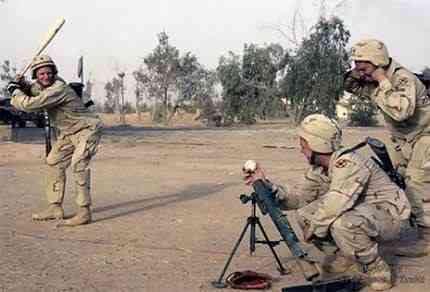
(260, 66)
(314, 76)
(161, 72)
(7, 73)
(250, 89)
(129, 108)
(194, 83)
(143, 108)
(229, 73)
(363, 113)
(165, 74)
(108, 108)
(158, 113)
(112, 90)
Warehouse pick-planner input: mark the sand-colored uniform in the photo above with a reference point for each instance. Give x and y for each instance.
(355, 204)
(405, 105)
(78, 134)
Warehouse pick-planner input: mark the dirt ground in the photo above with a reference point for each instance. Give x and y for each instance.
(166, 211)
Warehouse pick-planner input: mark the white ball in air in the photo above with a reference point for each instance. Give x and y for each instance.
(250, 166)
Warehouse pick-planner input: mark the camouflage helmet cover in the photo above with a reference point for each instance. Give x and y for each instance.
(322, 134)
(42, 61)
(372, 51)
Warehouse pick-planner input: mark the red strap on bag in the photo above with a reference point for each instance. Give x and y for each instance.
(247, 280)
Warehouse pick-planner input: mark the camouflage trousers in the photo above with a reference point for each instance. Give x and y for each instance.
(76, 151)
(413, 160)
(357, 232)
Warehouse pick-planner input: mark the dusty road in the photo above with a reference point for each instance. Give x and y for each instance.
(166, 212)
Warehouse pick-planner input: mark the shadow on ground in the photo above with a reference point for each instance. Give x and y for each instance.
(190, 192)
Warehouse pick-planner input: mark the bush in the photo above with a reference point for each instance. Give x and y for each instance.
(363, 114)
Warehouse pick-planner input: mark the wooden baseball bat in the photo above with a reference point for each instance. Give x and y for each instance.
(46, 40)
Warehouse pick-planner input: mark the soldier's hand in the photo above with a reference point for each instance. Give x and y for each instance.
(354, 74)
(307, 233)
(379, 75)
(12, 86)
(19, 78)
(252, 174)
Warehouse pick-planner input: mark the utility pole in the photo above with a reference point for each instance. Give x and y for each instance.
(122, 107)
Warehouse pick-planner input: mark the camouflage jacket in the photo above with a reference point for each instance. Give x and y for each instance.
(65, 108)
(401, 97)
(351, 180)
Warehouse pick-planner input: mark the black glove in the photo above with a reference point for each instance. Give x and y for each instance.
(12, 85)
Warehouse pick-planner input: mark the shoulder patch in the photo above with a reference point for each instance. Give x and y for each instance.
(403, 81)
(341, 163)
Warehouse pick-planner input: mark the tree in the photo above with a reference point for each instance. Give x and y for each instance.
(250, 87)
(128, 108)
(314, 75)
(260, 66)
(122, 105)
(363, 112)
(230, 75)
(138, 91)
(161, 72)
(196, 85)
(112, 89)
(172, 80)
(7, 73)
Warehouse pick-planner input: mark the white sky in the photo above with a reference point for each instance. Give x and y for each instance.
(116, 35)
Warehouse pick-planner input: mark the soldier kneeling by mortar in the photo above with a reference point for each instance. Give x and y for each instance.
(348, 203)
(78, 134)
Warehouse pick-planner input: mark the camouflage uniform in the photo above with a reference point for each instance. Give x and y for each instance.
(78, 134)
(405, 105)
(355, 204)
(347, 200)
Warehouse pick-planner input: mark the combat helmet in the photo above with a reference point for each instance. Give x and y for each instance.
(42, 61)
(372, 51)
(322, 134)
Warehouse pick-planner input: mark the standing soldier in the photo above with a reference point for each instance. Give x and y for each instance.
(78, 134)
(405, 105)
(348, 203)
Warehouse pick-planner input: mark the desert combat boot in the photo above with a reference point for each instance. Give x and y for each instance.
(83, 216)
(53, 212)
(379, 275)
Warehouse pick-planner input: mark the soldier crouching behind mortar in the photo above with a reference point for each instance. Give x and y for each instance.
(78, 134)
(348, 204)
